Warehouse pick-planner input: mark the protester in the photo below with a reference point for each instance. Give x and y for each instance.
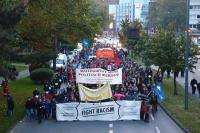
(40, 111)
(193, 84)
(198, 87)
(29, 111)
(10, 106)
(137, 84)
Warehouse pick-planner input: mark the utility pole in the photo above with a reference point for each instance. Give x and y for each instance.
(187, 47)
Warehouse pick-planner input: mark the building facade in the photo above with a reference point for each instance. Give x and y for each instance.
(131, 10)
(124, 10)
(194, 20)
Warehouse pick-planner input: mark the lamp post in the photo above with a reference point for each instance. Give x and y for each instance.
(187, 47)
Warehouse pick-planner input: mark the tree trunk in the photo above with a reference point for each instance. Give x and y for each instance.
(55, 56)
(168, 73)
(175, 89)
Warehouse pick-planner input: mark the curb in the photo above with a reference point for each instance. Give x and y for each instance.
(174, 119)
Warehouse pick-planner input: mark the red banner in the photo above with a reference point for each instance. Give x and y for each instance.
(105, 53)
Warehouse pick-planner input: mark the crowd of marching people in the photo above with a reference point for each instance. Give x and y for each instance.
(137, 84)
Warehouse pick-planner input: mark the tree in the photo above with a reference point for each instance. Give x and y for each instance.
(48, 21)
(99, 8)
(167, 51)
(137, 45)
(164, 12)
(10, 15)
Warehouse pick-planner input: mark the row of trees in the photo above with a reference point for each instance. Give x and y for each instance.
(165, 48)
(38, 25)
(10, 14)
(163, 12)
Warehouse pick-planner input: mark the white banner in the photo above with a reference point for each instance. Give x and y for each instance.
(129, 110)
(105, 111)
(98, 76)
(66, 111)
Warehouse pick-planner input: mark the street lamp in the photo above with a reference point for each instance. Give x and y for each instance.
(187, 47)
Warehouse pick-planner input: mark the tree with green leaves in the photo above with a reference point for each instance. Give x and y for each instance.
(99, 8)
(167, 51)
(48, 21)
(164, 12)
(10, 14)
(137, 45)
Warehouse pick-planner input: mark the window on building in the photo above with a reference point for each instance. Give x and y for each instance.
(198, 16)
(198, 26)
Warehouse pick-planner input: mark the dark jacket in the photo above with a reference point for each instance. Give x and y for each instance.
(193, 82)
(10, 103)
(28, 104)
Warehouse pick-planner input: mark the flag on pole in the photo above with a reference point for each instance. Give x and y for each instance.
(158, 90)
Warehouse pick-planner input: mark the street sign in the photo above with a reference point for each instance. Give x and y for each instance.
(133, 34)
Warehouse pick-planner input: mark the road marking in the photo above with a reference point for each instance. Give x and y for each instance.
(157, 130)
(152, 117)
(110, 125)
(111, 131)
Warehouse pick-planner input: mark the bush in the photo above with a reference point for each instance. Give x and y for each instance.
(35, 66)
(41, 75)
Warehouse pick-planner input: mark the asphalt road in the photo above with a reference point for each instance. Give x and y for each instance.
(161, 123)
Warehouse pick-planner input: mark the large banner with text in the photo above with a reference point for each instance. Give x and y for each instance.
(104, 111)
(98, 76)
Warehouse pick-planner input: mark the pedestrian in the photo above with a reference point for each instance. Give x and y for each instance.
(154, 103)
(53, 108)
(28, 107)
(144, 110)
(198, 88)
(10, 106)
(193, 84)
(40, 111)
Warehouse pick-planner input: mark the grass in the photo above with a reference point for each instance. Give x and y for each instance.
(20, 90)
(175, 105)
(20, 66)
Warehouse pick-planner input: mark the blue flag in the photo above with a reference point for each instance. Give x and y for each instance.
(158, 90)
(86, 42)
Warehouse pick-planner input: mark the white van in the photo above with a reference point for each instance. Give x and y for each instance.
(61, 61)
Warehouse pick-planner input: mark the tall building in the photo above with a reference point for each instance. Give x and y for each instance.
(124, 10)
(194, 20)
(131, 9)
(145, 11)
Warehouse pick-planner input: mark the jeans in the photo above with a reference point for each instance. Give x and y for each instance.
(10, 112)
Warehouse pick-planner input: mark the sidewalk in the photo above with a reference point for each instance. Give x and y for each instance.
(181, 80)
(21, 75)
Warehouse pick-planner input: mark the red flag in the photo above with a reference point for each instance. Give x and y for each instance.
(71, 78)
(117, 60)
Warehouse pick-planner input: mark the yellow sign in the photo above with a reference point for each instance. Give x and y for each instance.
(102, 93)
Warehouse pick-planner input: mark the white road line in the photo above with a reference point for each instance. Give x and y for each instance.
(110, 125)
(152, 117)
(157, 130)
(111, 131)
